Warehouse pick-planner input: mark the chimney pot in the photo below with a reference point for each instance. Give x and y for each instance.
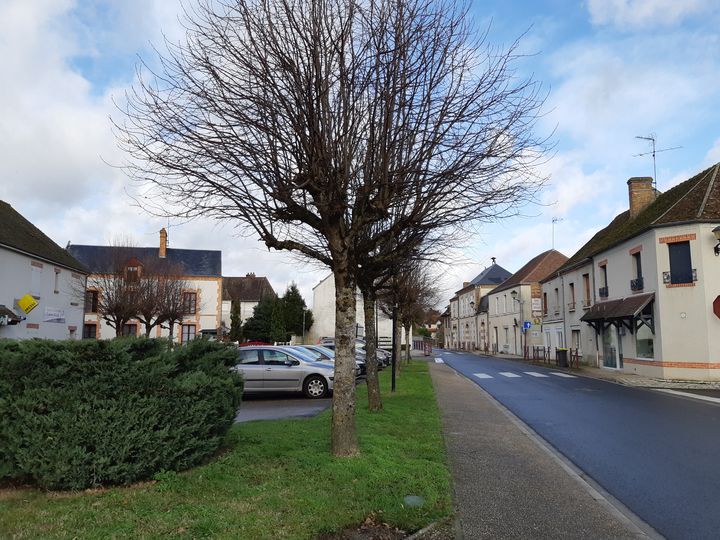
(163, 243)
(641, 194)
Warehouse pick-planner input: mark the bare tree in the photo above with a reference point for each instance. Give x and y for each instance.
(308, 121)
(172, 306)
(159, 291)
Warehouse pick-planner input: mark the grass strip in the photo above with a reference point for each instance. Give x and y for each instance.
(277, 480)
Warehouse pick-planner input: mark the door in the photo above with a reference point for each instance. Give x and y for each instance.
(278, 374)
(251, 368)
(610, 350)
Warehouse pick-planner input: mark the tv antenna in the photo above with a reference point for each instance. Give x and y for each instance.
(652, 139)
(554, 221)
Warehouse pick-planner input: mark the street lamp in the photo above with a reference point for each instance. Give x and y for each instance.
(514, 295)
(394, 346)
(716, 232)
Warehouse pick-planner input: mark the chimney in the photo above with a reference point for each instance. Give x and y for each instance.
(163, 243)
(465, 284)
(641, 194)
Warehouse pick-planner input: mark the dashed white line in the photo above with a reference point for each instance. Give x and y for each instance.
(567, 376)
(482, 376)
(509, 374)
(535, 374)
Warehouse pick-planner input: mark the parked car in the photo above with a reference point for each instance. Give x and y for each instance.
(278, 369)
(383, 357)
(325, 354)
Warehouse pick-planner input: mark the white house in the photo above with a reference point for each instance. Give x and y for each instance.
(246, 291)
(649, 284)
(32, 264)
(323, 309)
(201, 270)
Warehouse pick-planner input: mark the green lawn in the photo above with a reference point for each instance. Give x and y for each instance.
(276, 480)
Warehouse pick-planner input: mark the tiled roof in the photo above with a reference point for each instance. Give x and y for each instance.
(696, 199)
(618, 309)
(18, 233)
(536, 269)
(193, 262)
(246, 288)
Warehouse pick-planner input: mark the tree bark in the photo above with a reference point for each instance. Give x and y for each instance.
(344, 436)
(371, 364)
(398, 348)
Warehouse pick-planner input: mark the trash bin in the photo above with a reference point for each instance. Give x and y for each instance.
(562, 357)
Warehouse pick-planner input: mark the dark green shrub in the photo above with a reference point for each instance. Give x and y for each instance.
(76, 414)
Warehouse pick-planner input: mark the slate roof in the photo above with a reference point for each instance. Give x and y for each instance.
(18, 233)
(248, 288)
(492, 275)
(696, 199)
(193, 262)
(535, 270)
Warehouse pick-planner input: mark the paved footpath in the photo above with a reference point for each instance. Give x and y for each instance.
(507, 484)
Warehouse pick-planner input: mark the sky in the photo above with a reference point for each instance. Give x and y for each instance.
(612, 69)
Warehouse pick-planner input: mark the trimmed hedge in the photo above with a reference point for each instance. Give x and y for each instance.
(77, 414)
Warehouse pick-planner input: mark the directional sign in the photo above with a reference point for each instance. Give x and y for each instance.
(527, 325)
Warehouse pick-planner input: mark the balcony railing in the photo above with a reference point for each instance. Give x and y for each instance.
(637, 284)
(603, 292)
(571, 306)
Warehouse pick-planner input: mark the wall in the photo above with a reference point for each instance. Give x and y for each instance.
(20, 275)
(246, 311)
(504, 314)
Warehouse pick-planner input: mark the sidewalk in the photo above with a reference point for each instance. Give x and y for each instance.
(506, 484)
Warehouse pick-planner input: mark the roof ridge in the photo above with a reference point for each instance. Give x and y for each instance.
(688, 192)
(708, 191)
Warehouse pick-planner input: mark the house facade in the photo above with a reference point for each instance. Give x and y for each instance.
(654, 273)
(246, 291)
(514, 309)
(200, 272)
(35, 267)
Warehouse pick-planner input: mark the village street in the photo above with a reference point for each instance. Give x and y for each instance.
(655, 453)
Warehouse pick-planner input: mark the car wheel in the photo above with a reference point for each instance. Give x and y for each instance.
(315, 387)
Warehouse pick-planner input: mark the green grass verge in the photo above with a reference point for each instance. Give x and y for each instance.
(277, 480)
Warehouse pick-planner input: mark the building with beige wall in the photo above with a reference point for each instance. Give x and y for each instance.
(245, 292)
(518, 300)
(201, 270)
(655, 278)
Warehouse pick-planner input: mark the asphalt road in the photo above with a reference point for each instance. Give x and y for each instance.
(658, 454)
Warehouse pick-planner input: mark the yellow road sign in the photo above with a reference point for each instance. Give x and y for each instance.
(27, 303)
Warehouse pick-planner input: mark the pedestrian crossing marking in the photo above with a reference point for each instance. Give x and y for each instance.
(482, 376)
(535, 374)
(509, 374)
(567, 376)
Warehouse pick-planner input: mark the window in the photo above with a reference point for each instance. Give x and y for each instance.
(91, 301)
(189, 303)
(188, 332)
(249, 357)
(545, 306)
(89, 331)
(637, 265)
(680, 263)
(275, 358)
(586, 288)
(603, 291)
(56, 289)
(497, 305)
(557, 301)
(576, 339)
(129, 329)
(571, 305)
(504, 303)
(644, 336)
(132, 273)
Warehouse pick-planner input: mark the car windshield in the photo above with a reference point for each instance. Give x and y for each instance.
(302, 355)
(307, 352)
(321, 349)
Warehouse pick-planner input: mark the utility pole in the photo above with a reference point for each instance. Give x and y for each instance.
(394, 345)
(303, 334)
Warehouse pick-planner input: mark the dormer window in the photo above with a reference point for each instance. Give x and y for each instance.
(132, 273)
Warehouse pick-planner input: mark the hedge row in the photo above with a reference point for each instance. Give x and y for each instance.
(76, 414)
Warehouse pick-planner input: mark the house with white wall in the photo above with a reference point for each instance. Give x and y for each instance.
(32, 264)
(655, 277)
(516, 304)
(199, 269)
(245, 292)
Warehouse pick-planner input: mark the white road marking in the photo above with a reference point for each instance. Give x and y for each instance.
(535, 374)
(439, 361)
(567, 376)
(482, 376)
(509, 374)
(688, 395)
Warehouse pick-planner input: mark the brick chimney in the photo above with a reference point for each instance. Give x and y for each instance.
(641, 194)
(163, 243)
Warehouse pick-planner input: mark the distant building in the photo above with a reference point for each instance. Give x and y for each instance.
(643, 294)
(246, 291)
(200, 269)
(32, 264)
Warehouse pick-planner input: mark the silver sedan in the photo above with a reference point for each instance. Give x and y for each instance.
(276, 369)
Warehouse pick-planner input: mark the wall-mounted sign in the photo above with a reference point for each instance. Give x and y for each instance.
(54, 315)
(536, 304)
(27, 303)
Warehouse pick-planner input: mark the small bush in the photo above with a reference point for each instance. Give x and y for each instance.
(76, 414)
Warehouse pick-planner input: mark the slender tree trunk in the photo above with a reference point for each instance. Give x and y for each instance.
(171, 328)
(371, 364)
(408, 344)
(398, 347)
(344, 437)
(148, 329)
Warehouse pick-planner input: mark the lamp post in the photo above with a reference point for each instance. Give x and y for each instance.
(514, 295)
(303, 334)
(716, 232)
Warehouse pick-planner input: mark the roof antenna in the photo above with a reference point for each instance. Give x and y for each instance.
(554, 221)
(653, 140)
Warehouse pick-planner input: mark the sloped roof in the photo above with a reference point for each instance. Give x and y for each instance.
(248, 288)
(193, 262)
(696, 199)
(536, 269)
(18, 233)
(492, 275)
(618, 309)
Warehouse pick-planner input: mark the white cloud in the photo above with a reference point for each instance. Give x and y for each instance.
(646, 13)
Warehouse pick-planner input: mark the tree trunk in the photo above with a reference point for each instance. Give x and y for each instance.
(171, 327)
(371, 364)
(408, 345)
(398, 347)
(148, 329)
(344, 436)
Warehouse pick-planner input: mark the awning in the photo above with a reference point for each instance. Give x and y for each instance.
(7, 316)
(627, 312)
